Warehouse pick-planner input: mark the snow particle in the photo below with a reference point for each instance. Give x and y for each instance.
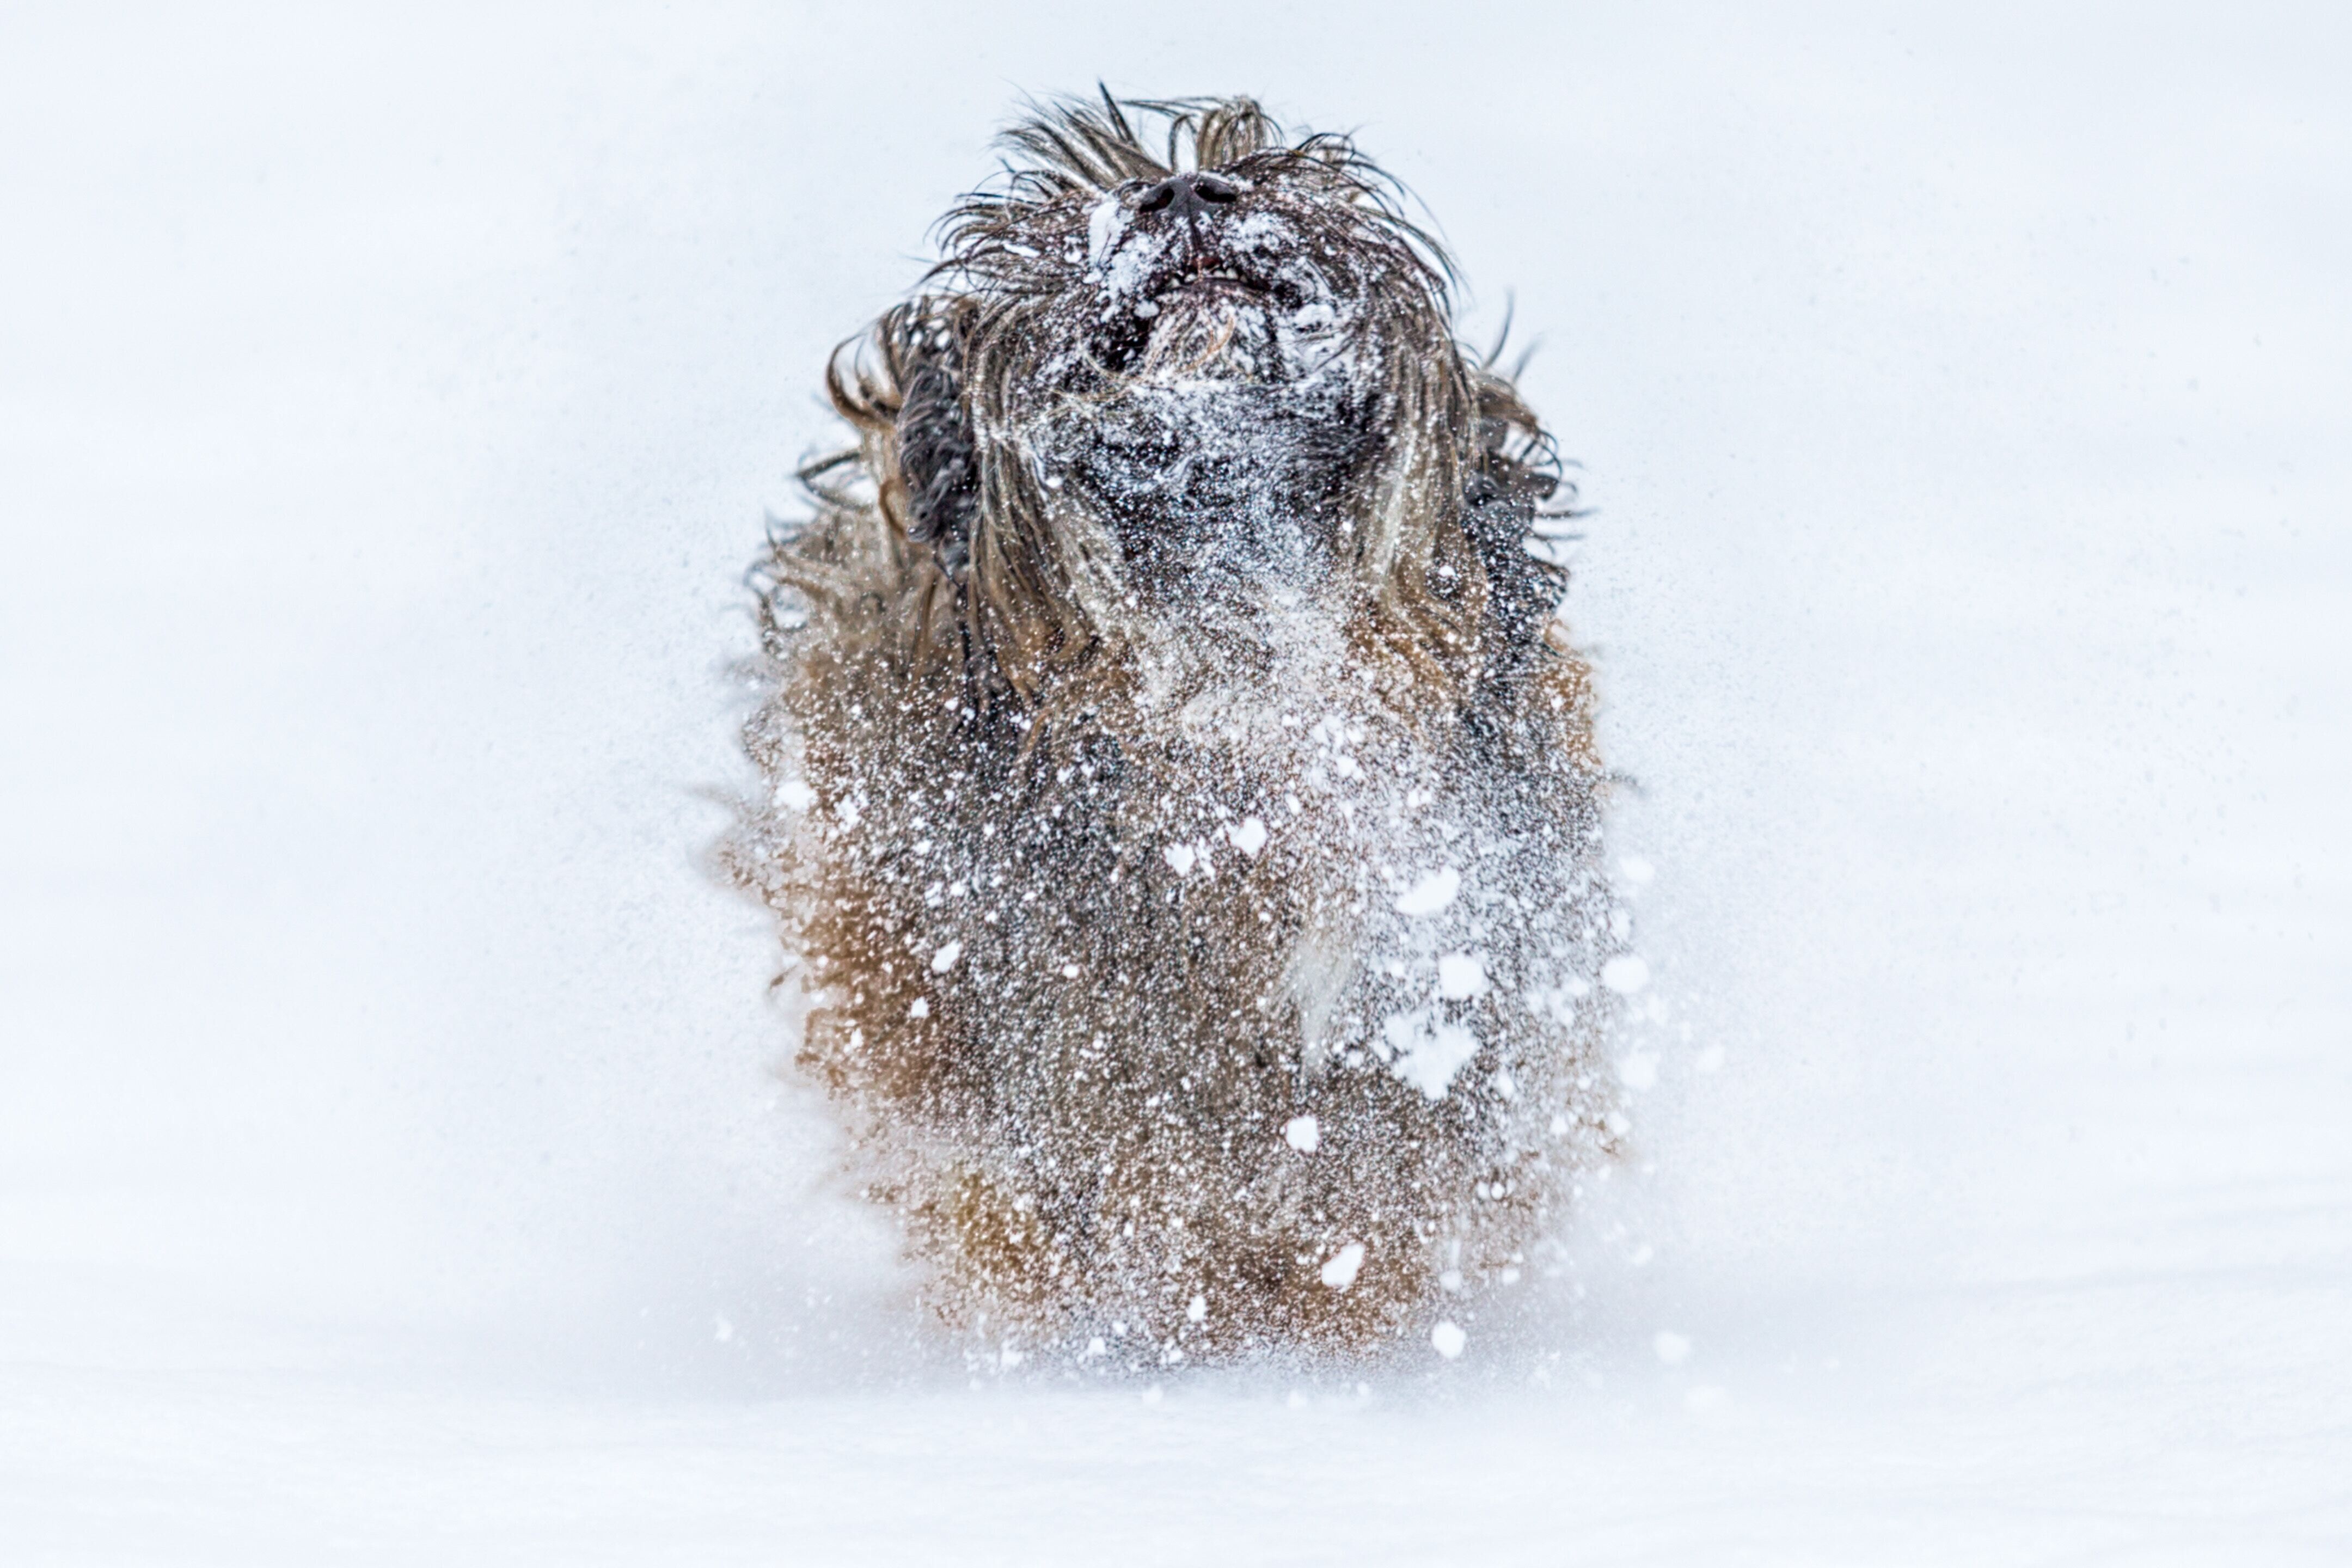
(1105, 223)
(1626, 974)
(1459, 976)
(1302, 1134)
(1638, 1071)
(945, 959)
(1248, 835)
(1179, 857)
(1196, 1309)
(921, 1009)
(1069, 972)
(1432, 1058)
(1340, 1271)
(1430, 894)
(1447, 1340)
(1672, 1348)
(794, 794)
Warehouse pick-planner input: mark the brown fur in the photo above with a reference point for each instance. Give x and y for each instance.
(1092, 846)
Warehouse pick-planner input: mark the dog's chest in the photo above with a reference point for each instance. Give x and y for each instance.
(1253, 884)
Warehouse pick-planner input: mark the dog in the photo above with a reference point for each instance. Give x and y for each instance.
(1181, 797)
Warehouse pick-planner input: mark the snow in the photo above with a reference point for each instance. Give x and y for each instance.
(1248, 835)
(1430, 894)
(1448, 1340)
(1433, 1052)
(1459, 976)
(1339, 1270)
(1427, 1050)
(1105, 223)
(1302, 1134)
(1626, 974)
(392, 1113)
(944, 959)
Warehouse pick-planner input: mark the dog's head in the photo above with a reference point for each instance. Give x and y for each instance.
(1151, 378)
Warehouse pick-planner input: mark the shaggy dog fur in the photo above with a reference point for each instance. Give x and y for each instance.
(1185, 810)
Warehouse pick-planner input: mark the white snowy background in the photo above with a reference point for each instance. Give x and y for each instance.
(392, 1165)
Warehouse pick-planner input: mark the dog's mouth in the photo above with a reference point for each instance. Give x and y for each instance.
(1225, 299)
(1216, 282)
(1203, 269)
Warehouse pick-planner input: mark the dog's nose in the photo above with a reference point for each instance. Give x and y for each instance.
(1188, 193)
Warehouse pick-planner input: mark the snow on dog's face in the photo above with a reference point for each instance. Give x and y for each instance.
(1236, 374)
(1224, 341)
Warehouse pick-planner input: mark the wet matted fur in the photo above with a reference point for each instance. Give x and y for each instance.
(1183, 807)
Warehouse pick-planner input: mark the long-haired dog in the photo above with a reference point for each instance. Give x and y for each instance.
(1182, 798)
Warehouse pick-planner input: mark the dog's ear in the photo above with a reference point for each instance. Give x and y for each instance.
(1512, 470)
(1498, 514)
(937, 461)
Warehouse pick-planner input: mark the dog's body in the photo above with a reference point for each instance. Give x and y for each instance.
(1184, 798)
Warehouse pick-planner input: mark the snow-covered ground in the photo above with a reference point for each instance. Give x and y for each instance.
(391, 1167)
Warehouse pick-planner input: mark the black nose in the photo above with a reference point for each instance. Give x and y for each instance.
(1187, 193)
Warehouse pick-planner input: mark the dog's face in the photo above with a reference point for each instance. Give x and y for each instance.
(1227, 331)
(1217, 367)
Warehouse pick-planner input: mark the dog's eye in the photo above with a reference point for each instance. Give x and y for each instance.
(1119, 339)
